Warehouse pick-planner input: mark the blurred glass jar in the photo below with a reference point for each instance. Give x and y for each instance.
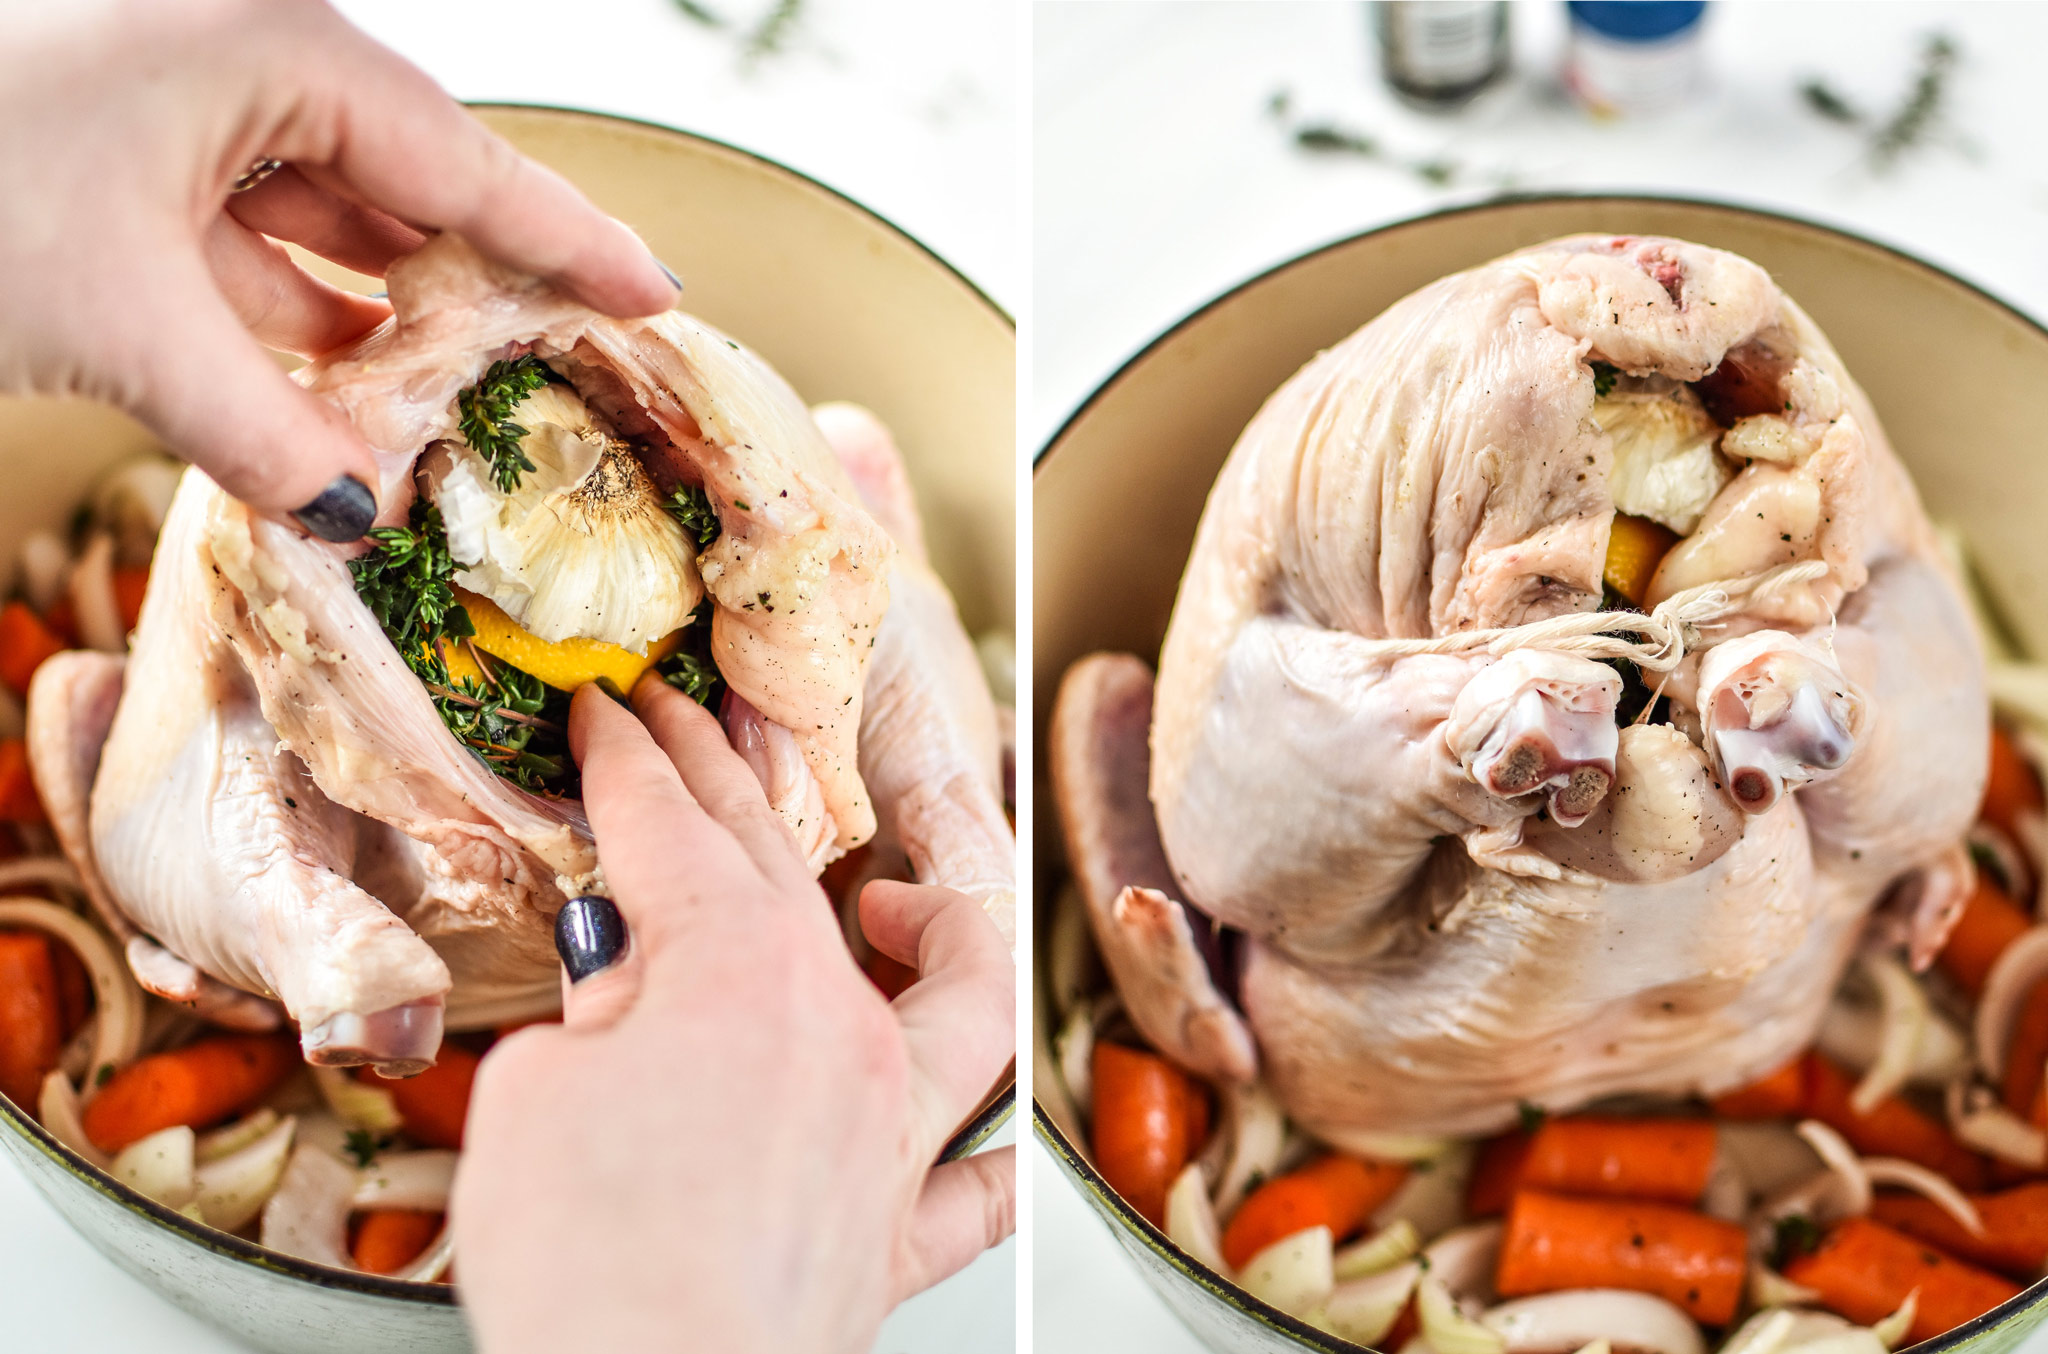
(1634, 57)
(1438, 54)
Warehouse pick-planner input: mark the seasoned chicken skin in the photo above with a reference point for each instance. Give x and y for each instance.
(279, 805)
(1462, 884)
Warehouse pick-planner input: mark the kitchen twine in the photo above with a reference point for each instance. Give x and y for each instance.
(1666, 632)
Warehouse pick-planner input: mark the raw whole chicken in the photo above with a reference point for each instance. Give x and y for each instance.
(1448, 877)
(280, 803)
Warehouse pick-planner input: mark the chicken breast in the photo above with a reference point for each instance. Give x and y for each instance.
(279, 803)
(1462, 882)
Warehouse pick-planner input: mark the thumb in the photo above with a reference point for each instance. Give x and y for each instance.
(198, 379)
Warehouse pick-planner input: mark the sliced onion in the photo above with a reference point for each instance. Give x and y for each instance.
(1409, 1147)
(1990, 1127)
(1936, 1188)
(1363, 1310)
(2012, 977)
(1768, 1288)
(159, 1166)
(1905, 1022)
(53, 872)
(307, 1215)
(1768, 1156)
(45, 562)
(1855, 1341)
(1568, 1319)
(1893, 1328)
(234, 1187)
(1841, 1158)
(94, 607)
(1851, 1033)
(1383, 1250)
(1433, 1195)
(1258, 1135)
(1764, 1333)
(76, 1059)
(1445, 1325)
(1074, 1047)
(433, 1262)
(120, 1000)
(419, 1180)
(1191, 1219)
(1294, 1274)
(232, 1138)
(57, 1110)
(1072, 968)
(370, 1108)
(1465, 1258)
(1726, 1195)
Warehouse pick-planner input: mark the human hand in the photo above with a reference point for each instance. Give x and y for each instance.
(727, 1143)
(134, 275)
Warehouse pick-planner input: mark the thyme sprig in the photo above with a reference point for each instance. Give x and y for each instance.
(512, 721)
(691, 507)
(691, 669)
(486, 416)
(1910, 125)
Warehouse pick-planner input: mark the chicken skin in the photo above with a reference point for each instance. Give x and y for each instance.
(1463, 882)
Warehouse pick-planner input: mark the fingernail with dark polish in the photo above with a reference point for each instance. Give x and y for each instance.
(668, 273)
(589, 935)
(342, 513)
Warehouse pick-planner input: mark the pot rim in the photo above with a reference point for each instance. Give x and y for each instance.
(1077, 1165)
(976, 1131)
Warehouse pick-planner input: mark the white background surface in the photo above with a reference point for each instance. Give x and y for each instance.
(907, 106)
(1159, 181)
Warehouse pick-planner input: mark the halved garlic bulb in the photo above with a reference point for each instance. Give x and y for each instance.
(584, 547)
(1665, 467)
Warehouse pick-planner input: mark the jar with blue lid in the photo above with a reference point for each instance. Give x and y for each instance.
(1634, 57)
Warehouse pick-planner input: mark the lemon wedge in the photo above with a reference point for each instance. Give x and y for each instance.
(565, 664)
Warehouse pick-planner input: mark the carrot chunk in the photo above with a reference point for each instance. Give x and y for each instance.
(19, 802)
(196, 1085)
(31, 1016)
(2011, 789)
(24, 643)
(1990, 921)
(1663, 1159)
(2028, 1055)
(130, 583)
(1338, 1192)
(1781, 1095)
(389, 1239)
(434, 1104)
(1495, 1174)
(1141, 1130)
(1863, 1270)
(1687, 1258)
(1893, 1129)
(2015, 1239)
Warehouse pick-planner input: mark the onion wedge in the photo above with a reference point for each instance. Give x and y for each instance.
(1190, 1218)
(233, 1188)
(1294, 1274)
(307, 1215)
(119, 1017)
(1577, 1317)
(1906, 1016)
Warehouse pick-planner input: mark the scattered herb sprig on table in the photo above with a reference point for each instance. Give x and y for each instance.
(1912, 123)
(769, 35)
(1324, 137)
(486, 416)
(514, 724)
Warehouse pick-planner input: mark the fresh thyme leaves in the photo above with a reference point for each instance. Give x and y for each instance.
(691, 507)
(1791, 1238)
(1604, 375)
(691, 669)
(405, 581)
(361, 1144)
(700, 14)
(1825, 102)
(1912, 123)
(511, 721)
(770, 37)
(486, 416)
(1324, 136)
(1532, 1115)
